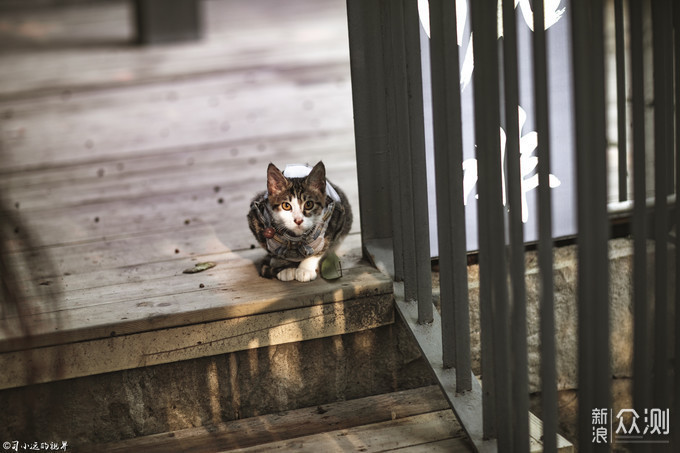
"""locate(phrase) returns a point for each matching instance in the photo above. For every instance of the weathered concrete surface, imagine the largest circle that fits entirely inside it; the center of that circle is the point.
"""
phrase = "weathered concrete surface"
(204, 391)
(566, 311)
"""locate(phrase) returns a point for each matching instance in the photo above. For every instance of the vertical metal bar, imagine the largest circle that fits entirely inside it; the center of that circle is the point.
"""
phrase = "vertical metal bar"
(621, 100)
(406, 136)
(661, 37)
(545, 254)
(370, 128)
(163, 21)
(482, 130)
(448, 150)
(593, 280)
(399, 138)
(491, 220)
(520, 379)
(418, 166)
(676, 390)
(641, 350)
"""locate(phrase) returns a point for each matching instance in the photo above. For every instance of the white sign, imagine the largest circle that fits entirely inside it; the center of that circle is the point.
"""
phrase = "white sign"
(562, 177)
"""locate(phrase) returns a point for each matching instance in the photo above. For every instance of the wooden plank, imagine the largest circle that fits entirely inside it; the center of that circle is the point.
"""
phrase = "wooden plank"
(129, 176)
(153, 209)
(144, 259)
(297, 423)
(107, 125)
(193, 341)
(217, 300)
(92, 44)
(456, 444)
(416, 431)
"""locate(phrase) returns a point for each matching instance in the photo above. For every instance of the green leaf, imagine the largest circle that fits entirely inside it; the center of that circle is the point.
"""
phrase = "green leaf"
(200, 267)
(331, 268)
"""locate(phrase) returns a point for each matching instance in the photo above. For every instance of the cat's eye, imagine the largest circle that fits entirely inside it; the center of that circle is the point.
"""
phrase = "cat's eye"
(286, 206)
(309, 204)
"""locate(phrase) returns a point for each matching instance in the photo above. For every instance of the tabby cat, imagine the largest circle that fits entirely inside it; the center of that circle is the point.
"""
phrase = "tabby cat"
(299, 219)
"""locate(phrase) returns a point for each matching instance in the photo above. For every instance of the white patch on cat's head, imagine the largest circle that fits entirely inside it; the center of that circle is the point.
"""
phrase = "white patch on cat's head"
(294, 219)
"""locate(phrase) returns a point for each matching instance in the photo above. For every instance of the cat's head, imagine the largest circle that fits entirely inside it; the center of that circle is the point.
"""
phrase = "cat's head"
(297, 203)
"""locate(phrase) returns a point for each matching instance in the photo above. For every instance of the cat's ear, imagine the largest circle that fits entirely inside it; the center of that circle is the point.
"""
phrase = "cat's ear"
(317, 178)
(276, 182)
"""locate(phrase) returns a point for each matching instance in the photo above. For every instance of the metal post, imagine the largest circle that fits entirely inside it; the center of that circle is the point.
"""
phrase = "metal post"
(545, 245)
(520, 379)
(641, 335)
(160, 21)
(416, 247)
(370, 126)
(492, 261)
(448, 149)
(593, 224)
(675, 426)
(661, 19)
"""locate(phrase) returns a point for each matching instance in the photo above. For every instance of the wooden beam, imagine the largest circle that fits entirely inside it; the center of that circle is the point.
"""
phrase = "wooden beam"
(86, 358)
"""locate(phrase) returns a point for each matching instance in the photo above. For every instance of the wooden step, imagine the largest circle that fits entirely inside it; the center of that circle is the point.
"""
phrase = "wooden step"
(409, 420)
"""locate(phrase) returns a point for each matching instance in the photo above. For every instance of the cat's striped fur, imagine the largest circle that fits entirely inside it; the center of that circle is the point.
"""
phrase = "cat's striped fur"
(298, 222)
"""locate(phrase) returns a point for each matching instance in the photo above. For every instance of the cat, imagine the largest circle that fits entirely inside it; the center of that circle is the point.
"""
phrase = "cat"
(298, 220)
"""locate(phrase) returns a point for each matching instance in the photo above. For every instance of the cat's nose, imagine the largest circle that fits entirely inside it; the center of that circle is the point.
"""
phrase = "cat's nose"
(298, 221)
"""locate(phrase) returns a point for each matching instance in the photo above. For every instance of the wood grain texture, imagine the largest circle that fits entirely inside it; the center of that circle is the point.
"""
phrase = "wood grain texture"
(146, 303)
(84, 358)
(122, 165)
(366, 419)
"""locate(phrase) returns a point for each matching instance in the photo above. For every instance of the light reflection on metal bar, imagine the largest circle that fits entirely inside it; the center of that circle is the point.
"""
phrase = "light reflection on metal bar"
(621, 100)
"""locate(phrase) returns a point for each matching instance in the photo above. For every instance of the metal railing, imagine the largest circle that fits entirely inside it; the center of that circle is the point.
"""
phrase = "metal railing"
(388, 106)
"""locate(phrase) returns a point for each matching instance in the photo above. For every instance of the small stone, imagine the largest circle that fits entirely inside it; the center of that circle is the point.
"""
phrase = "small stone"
(201, 285)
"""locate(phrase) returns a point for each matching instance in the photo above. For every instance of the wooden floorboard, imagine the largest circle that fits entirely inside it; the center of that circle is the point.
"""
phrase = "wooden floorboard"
(93, 44)
(410, 420)
(423, 432)
(128, 300)
(122, 165)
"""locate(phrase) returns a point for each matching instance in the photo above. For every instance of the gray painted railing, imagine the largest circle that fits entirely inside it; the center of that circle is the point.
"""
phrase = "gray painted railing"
(388, 108)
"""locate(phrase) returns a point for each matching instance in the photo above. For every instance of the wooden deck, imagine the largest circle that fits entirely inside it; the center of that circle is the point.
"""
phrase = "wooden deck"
(120, 166)
(418, 420)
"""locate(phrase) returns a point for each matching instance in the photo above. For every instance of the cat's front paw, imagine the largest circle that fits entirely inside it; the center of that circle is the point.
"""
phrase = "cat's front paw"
(305, 275)
(287, 275)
